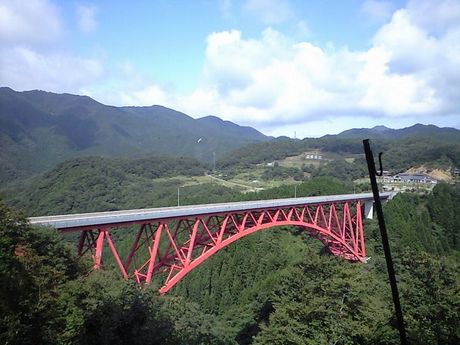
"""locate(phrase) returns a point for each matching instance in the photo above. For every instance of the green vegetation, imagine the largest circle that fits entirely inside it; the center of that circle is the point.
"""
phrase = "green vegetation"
(101, 184)
(414, 146)
(46, 298)
(279, 286)
(273, 287)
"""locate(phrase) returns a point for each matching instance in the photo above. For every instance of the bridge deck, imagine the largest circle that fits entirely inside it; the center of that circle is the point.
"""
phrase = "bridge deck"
(112, 218)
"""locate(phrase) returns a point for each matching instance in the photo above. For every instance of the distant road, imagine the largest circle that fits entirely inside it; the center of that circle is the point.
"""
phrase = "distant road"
(251, 189)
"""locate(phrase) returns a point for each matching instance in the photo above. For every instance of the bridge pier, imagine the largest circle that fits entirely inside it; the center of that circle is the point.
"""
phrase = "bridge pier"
(369, 209)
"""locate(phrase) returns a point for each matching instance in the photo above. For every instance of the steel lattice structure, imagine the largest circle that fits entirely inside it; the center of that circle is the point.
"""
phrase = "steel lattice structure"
(168, 247)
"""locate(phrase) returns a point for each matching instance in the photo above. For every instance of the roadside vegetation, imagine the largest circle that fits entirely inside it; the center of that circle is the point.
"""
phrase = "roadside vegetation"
(277, 286)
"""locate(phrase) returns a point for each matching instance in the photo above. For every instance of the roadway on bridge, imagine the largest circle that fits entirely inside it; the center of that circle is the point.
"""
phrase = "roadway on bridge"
(112, 218)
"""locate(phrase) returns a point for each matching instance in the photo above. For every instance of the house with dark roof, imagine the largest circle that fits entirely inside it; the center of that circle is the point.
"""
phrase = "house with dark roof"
(413, 178)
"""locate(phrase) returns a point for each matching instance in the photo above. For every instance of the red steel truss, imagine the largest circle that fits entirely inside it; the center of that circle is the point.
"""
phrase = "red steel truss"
(167, 249)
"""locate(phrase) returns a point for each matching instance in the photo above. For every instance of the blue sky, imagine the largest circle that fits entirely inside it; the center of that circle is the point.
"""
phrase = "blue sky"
(281, 66)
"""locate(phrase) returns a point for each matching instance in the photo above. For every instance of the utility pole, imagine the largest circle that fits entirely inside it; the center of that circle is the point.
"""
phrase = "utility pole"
(178, 196)
(295, 191)
(383, 232)
(213, 162)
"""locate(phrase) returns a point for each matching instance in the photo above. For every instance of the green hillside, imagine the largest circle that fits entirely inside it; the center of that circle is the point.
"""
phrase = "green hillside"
(90, 184)
(403, 149)
(41, 129)
(277, 286)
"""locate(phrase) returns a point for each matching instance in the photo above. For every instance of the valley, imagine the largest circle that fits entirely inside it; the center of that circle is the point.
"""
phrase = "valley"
(193, 172)
(258, 291)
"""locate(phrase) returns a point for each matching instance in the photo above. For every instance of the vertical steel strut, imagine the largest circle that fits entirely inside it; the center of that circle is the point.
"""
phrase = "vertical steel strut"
(383, 232)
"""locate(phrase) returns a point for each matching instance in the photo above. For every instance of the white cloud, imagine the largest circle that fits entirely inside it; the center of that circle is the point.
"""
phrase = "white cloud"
(126, 86)
(410, 70)
(435, 16)
(28, 22)
(86, 15)
(225, 7)
(24, 68)
(269, 11)
(31, 32)
(302, 29)
(146, 96)
(275, 82)
(377, 11)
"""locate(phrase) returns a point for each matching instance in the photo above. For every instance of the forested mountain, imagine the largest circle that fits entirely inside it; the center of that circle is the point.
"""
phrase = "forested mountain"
(40, 129)
(420, 131)
(278, 286)
(402, 148)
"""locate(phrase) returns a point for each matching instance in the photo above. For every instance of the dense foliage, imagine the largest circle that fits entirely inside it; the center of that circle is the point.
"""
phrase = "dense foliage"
(274, 287)
(278, 286)
(289, 291)
(46, 297)
(101, 184)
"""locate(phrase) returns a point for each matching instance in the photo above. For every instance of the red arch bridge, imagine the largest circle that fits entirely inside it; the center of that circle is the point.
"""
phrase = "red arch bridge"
(169, 242)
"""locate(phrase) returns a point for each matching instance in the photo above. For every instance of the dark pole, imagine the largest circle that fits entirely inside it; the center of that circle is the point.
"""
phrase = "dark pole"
(386, 245)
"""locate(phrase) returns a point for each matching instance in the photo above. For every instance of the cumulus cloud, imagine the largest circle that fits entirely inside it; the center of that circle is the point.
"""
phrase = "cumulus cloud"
(87, 18)
(435, 16)
(411, 69)
(126, 86)
(150, 94)
(28, 22)
(29, 32)
(269, 11)
(274, 82)
(24, 68)
(377, 11)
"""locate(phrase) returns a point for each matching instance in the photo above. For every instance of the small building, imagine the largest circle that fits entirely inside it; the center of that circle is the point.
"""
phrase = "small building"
(413, 178)
(456, 171)
(313, 156)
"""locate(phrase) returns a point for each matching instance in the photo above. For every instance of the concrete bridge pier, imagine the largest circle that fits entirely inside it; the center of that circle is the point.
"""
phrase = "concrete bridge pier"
(369, 209)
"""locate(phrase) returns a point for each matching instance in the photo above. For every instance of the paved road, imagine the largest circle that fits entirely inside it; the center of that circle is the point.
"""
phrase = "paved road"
(74, 221)
(249, 188)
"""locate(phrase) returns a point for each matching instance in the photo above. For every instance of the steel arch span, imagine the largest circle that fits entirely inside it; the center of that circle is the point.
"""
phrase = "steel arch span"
(171, 242)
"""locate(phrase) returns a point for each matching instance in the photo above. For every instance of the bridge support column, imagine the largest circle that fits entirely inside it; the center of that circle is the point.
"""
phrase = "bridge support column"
(369, 209)
(98, 250)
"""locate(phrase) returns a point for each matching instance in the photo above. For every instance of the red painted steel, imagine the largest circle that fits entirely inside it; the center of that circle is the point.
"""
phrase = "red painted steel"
(166, 250)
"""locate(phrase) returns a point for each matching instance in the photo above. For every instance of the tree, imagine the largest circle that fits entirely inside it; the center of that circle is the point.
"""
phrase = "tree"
(327, 301)
(430, 296)
(34, 264)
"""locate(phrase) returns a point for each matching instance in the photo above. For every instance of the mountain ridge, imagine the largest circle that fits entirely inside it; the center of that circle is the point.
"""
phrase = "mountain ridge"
(40, 129)
(418, 129)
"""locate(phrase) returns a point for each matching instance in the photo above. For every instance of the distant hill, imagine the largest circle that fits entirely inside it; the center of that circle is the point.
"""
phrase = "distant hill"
(40, 129)
(86, 184)
(381, 132)
(403, 148)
